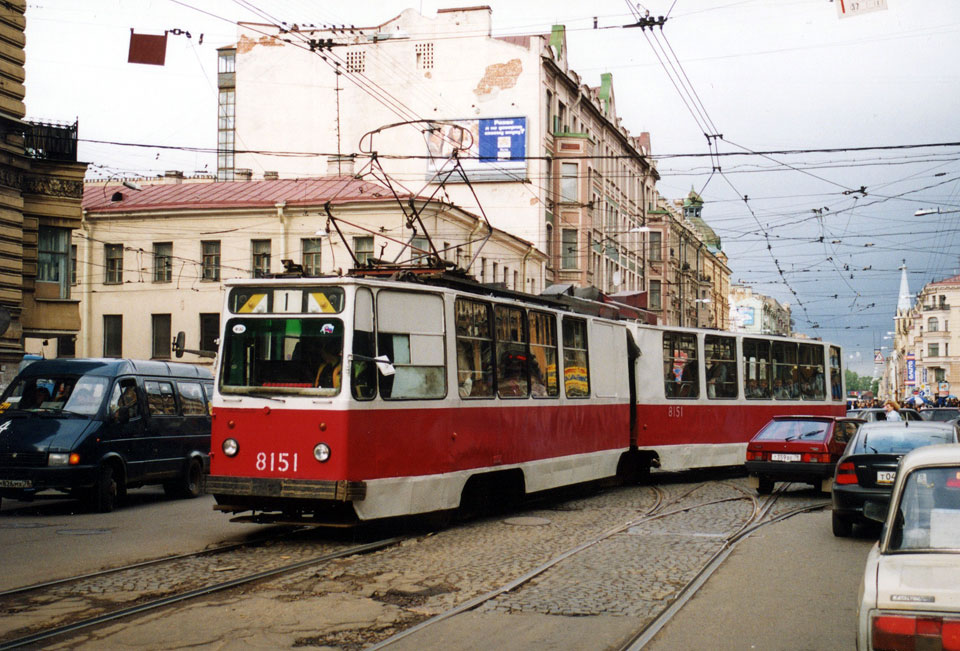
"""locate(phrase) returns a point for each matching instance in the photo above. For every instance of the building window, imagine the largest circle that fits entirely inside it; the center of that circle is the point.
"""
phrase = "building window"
(211, 260)
(569, 255)
(209, 330)
(162, 262)
(932, 324)
(933, 350)
(226, 135)
(363, 249)
(260, 257)
(113, 264)
(53, 257)
(112, 335)
(424, 56)
(569, 186)
(419, 249)
(311, 255)
(160, 329)
(73, 265)
(356, 61)
(940, 375)
(656, 298)
(656, 246)
(549, 115)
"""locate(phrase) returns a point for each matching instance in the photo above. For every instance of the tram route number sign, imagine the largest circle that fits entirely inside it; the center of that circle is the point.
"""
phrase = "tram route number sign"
(847, 8)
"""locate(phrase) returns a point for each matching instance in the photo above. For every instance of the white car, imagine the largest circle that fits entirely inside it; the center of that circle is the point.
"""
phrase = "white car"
(910, 594)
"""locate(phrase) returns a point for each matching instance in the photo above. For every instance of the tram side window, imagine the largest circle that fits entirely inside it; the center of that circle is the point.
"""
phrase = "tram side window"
(576, 371)
(756, 369)
(363, 370)
(474, 349)
(544, 381)
(836, 374)
(785, 380)
(681, 378)
(720, 355)
(410, 333)
(513, 374)
(812, 382)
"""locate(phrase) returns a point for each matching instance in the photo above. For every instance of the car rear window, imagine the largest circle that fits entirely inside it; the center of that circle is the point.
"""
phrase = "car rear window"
(943, 414)
(790, 430)
(900, 441)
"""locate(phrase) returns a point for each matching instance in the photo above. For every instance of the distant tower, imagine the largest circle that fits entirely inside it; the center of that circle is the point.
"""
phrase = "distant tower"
(905, 301)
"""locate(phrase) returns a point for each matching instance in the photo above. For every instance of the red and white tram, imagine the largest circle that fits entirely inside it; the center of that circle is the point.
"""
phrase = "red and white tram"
(349, 399)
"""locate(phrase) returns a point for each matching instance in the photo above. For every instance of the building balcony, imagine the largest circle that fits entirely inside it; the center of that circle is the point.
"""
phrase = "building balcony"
(936, 307)
(56, 142)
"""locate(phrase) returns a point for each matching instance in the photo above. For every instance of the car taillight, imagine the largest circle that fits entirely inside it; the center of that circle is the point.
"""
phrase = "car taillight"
(754, 455)
(846, 473)
(816, 457)
(906, 633)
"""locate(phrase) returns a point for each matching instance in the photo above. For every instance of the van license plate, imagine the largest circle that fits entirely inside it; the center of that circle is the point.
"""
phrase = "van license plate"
(886, 476)
(778, 456)
(15, 483)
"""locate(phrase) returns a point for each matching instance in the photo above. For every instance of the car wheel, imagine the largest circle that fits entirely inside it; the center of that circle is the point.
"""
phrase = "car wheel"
(842, 527)
(187, 486)
(103, 498)
(764, 486)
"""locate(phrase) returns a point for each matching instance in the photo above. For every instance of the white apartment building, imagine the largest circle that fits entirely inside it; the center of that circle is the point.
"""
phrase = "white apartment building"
(547, 156)
(151, 263)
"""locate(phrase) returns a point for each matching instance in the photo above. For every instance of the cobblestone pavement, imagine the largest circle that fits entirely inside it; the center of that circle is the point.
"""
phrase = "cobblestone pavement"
(353, 602)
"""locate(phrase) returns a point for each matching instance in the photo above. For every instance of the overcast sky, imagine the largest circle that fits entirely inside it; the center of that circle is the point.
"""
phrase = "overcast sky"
(770, 76)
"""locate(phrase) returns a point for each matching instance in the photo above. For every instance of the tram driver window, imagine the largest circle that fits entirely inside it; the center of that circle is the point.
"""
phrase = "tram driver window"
(720, 355)
(681, 377)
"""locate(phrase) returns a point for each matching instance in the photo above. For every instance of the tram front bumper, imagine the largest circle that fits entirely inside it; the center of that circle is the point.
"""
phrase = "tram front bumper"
(301, 489)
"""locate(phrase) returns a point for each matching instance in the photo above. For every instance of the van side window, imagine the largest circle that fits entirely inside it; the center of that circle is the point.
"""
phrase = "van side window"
(191, 399)
(125, 396)
(160, 400)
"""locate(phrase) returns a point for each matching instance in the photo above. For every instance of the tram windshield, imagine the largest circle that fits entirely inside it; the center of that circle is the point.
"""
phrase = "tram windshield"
(282, 356)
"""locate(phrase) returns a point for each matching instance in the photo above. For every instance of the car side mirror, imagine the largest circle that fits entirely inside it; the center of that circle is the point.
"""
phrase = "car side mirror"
(875, 510)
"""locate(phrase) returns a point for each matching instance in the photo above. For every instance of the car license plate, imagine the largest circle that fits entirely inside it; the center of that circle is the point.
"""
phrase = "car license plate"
(886, 476)
(15, 483)
(779, 456)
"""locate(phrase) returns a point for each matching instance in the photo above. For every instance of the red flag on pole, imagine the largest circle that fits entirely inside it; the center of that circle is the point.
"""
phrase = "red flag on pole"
(147, 48)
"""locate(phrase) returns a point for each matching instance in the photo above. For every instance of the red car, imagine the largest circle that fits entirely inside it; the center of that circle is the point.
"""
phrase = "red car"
(799, 449)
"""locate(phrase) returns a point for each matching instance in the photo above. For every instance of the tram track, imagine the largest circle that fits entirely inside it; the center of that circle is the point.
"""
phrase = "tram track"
(151, 604)
(660, 509)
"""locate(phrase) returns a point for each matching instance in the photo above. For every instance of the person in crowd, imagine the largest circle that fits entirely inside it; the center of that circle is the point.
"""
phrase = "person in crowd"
(892, 410)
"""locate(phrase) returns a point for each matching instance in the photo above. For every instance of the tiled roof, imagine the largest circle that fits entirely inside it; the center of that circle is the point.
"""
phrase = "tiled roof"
(232, 194)
(953, 280)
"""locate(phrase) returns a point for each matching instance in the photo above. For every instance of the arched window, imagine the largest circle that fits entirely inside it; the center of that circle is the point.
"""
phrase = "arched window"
(932, 324)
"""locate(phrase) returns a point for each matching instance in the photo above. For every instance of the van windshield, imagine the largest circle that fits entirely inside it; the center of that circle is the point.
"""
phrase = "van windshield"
(56, 393)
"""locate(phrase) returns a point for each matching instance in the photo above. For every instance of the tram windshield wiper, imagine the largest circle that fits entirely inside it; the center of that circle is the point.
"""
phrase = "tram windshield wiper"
(251, 394)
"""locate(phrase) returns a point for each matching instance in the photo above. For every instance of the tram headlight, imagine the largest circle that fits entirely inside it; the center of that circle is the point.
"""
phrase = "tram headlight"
(230, 447)
(321, 452)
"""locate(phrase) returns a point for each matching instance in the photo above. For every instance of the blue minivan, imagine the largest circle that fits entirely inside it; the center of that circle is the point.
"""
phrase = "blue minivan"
(94, 427)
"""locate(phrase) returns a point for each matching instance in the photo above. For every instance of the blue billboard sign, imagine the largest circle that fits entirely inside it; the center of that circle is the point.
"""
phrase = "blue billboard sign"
(911, 370)
(490, 149)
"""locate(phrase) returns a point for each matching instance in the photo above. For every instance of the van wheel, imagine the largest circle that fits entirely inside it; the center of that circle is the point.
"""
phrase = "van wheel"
(103, 498)
(188, 486)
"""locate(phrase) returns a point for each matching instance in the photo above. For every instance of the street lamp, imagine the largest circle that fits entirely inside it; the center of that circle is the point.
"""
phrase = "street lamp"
(932, 211)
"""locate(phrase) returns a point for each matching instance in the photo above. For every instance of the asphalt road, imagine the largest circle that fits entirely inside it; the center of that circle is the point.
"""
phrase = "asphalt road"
(52, 539)
(791, 586)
